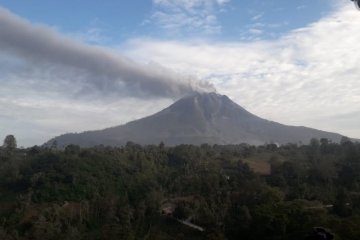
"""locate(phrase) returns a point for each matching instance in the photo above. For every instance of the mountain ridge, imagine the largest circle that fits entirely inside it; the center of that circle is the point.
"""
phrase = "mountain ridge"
(196, 119)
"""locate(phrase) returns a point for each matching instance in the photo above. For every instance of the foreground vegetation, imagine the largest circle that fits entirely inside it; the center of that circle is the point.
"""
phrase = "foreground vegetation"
(140, 192)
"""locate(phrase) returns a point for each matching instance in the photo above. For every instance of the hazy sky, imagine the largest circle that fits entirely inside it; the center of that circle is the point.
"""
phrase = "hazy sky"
(70, 66)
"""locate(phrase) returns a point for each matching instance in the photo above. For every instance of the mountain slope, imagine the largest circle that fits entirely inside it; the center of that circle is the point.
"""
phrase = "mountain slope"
(200, 118)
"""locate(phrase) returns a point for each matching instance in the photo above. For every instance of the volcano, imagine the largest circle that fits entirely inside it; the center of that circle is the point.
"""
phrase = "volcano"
(200, 118)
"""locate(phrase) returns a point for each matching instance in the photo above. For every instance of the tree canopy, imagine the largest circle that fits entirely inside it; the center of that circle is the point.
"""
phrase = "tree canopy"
(160, 192)
(10, 142)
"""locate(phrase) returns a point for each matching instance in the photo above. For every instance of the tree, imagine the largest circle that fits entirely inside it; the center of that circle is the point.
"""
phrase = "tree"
(341, 206)
(314, 144)
(345, 140)
(72, 149)
(10, 143)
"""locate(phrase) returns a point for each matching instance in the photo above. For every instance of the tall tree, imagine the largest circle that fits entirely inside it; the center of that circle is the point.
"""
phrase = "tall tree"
(10, 143)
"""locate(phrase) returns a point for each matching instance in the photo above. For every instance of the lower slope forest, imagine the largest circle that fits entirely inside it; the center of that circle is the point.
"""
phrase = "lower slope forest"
(183, 192)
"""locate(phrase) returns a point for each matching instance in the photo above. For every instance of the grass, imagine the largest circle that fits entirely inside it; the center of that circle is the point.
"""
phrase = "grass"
(261, 163)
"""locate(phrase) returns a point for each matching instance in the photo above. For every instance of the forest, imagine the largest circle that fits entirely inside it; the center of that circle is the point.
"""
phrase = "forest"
(180, 192)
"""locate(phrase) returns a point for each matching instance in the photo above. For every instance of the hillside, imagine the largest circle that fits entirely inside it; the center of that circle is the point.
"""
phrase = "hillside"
(200, 118)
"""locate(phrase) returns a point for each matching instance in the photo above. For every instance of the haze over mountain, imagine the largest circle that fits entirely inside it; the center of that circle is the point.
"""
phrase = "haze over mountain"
(196, 119)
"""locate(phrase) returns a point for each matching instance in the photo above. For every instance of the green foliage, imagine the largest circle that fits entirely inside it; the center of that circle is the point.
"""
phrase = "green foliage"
(118, 193)
(10, 143)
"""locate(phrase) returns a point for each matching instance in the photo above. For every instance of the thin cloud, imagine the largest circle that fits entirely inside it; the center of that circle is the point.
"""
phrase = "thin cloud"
(255, 31)
(301, 7)
(188, 16)
(257, 17)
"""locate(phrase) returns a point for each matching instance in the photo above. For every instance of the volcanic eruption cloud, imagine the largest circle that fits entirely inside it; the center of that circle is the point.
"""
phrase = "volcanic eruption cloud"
(100, 69)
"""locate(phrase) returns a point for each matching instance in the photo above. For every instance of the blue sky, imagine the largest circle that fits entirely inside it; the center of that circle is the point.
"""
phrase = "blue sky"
(71, 66)
(116, 21)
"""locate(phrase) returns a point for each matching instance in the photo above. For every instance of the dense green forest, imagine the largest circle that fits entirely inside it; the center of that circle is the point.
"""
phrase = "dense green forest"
(143, 192)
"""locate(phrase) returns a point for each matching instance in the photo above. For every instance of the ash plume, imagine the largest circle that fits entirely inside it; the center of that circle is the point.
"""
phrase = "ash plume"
(99, 68)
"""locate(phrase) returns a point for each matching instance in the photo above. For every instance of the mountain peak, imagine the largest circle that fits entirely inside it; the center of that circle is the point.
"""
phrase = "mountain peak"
(208, 95)
(208, 105)
(205, 99)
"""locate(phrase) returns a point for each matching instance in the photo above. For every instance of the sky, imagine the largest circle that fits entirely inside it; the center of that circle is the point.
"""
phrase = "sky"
(71, 66)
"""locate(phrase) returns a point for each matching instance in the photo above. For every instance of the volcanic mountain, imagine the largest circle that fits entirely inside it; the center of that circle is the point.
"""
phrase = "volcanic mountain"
(200, 118)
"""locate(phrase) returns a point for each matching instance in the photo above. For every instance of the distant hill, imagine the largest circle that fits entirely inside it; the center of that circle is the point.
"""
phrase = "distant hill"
(196, 119)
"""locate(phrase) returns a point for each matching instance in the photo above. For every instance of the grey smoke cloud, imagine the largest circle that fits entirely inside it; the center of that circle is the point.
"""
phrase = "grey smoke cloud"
(98, 68)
